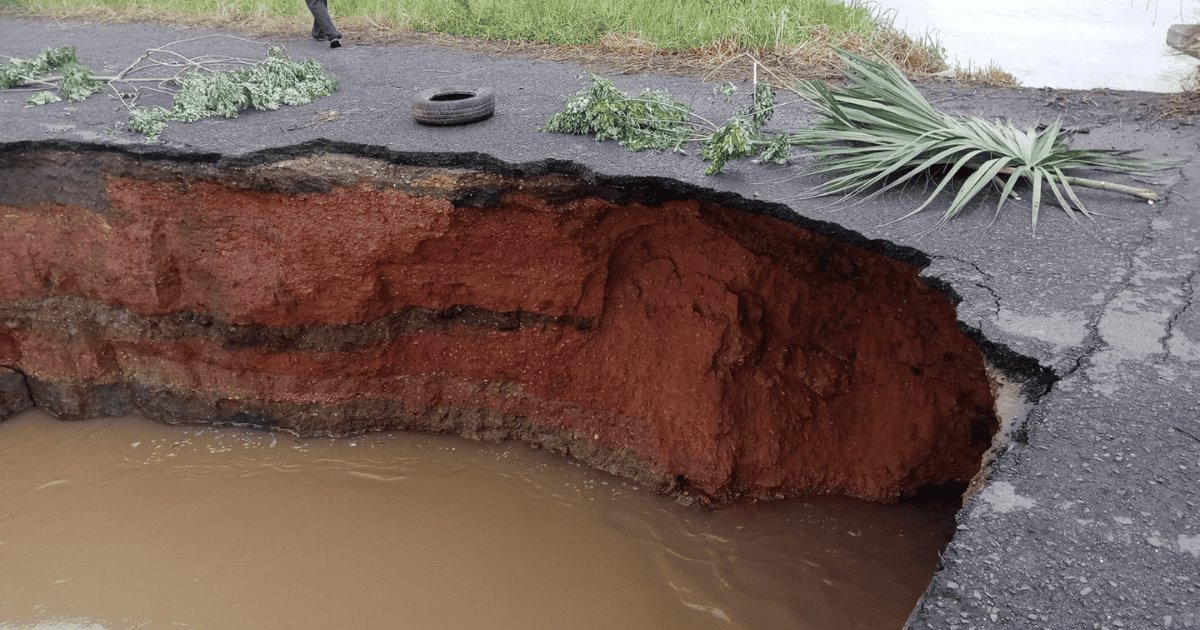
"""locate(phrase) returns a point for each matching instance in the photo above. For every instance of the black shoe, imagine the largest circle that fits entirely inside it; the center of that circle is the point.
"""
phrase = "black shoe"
(335, 43)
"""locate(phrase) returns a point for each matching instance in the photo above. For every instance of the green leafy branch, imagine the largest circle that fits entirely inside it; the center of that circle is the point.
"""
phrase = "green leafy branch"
(651, 120)
(53, 67)
(268, 85)
(199, 87)
(654, 119)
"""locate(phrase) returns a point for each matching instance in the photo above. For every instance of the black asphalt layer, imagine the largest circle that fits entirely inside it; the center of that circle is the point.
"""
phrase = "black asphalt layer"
(1091, 517)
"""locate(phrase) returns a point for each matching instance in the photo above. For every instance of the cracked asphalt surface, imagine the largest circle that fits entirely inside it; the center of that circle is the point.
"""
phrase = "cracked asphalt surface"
(1091, 517)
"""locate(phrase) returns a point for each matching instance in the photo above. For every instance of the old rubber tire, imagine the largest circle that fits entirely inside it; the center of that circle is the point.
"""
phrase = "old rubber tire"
(453, 105)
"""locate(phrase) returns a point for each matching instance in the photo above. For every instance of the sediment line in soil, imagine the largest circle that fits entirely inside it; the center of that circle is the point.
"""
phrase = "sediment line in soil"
(75, 316)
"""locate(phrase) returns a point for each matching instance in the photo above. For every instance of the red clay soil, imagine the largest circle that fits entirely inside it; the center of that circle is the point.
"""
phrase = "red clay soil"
(728, 352)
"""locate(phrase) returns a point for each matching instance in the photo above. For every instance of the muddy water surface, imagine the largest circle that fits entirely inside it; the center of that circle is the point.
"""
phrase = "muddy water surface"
(1082, 44)
(126, 523)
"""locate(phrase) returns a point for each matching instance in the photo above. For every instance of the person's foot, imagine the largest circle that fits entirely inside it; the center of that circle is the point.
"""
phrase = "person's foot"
(335, 42)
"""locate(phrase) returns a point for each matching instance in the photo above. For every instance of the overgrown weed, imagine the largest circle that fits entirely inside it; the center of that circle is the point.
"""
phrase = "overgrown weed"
(666, 36)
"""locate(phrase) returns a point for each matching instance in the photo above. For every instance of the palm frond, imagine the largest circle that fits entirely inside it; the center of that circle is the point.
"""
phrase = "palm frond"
(879, 132)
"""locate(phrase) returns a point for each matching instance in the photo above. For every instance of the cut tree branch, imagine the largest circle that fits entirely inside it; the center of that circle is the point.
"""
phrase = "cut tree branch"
(1141, 193)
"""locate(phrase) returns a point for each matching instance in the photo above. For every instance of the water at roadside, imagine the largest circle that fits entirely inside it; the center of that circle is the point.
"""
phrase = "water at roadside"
(127, 523)
(1079, 44)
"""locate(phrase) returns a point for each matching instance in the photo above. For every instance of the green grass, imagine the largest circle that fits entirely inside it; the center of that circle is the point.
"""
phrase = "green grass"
(671, 24)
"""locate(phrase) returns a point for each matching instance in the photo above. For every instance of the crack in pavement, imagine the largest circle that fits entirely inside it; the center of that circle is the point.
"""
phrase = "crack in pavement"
(987, 277)
(1095, 341)
(1188, 290)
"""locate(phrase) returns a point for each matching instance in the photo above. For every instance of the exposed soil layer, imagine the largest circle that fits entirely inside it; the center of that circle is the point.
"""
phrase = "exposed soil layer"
(674, 340)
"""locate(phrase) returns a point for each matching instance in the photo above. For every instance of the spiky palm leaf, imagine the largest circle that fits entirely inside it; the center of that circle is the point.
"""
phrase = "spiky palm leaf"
(880, 133)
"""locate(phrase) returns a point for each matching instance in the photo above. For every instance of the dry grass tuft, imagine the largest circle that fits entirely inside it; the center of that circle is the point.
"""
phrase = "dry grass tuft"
(1186, 104)
(627, 43)
(990, 75)
(725, 60)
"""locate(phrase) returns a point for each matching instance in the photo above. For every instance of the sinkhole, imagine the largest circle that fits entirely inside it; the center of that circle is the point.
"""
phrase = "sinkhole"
(710, 348)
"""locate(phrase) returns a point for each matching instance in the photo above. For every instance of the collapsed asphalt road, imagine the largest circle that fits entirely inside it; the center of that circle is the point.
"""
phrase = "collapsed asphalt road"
(1091, 516)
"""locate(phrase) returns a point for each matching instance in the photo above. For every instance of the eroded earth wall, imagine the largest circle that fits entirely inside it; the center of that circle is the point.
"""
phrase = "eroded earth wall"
(684, 343)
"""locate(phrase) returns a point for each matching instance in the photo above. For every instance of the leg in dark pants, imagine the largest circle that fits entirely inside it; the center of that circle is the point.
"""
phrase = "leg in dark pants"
(323, 27)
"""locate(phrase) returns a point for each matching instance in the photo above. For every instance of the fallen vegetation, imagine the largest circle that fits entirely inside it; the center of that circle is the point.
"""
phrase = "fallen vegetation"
(654, 119)
(875, 135)
(58, 68)
(199, 87)
(880, 133)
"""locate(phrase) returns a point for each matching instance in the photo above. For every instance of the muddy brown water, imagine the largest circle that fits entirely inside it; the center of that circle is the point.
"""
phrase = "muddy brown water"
(1077, 44)
(127, 523)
